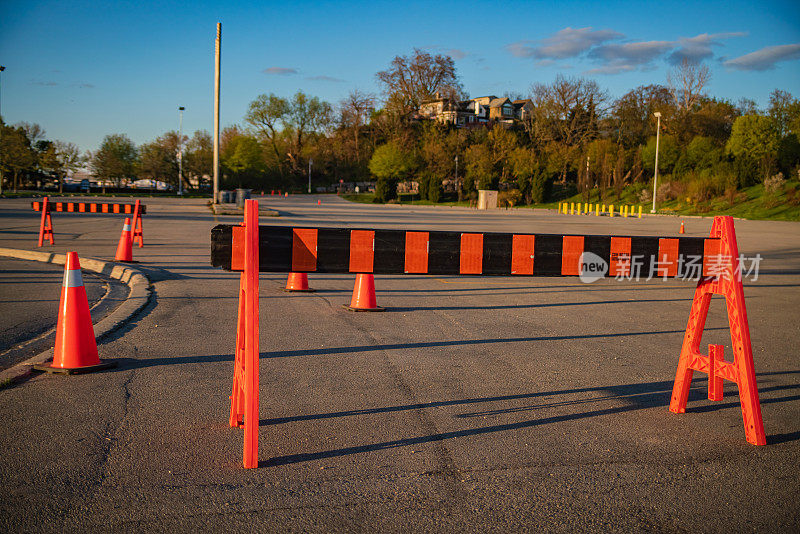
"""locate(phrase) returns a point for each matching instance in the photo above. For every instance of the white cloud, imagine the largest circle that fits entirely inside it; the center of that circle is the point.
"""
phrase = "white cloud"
(766, 58)
(699, 48)
(281, 71)
(563, 44)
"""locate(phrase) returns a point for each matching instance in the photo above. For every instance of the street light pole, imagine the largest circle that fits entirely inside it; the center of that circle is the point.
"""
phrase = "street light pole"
(458, 187)
(310, 161)
(180, 150)
(657, 115)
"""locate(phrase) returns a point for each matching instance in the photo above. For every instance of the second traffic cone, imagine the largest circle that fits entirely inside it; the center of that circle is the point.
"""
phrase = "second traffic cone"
(364, 295)
(76, 349)
(681, 231)
(124, 249)
(298, 283)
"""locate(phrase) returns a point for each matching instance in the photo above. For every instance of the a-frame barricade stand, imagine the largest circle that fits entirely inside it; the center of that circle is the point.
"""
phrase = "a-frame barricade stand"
(46, 226)
(244, 398)
(727, 281)
(137, 226)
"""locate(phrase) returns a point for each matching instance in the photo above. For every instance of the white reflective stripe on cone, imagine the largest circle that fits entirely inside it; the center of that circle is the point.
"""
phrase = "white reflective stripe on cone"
(73, 278)
(126, 228)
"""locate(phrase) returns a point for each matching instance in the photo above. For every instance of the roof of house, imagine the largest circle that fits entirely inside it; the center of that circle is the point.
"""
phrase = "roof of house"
(497, 102)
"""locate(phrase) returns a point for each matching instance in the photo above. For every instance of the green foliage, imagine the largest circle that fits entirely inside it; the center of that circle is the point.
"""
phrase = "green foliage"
(389, 164)
(541, 185)
(668, 153)
(390, 161)
(752, 136)
(480, 169)
(116, 159)
(789, 153)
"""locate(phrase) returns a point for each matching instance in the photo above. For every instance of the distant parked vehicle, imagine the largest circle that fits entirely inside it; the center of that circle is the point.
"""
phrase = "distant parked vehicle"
(85, 186)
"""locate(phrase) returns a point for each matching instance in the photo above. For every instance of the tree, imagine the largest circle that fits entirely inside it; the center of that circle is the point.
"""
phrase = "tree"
(307, 116)
(702, 153)
(410, 80)
(158, 159)
(633, 113)
(668, 153)
(278, 120)
(686, 83)
(243, 158)
(784, 109)
(568, 111)
(115, 159)
(389, 163)
(480, 168)
(267, 114)
(354, 114)
(198, 158)
(754, 139)
(16, 153)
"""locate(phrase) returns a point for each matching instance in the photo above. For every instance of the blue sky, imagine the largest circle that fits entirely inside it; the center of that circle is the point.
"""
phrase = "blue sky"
(83, 70)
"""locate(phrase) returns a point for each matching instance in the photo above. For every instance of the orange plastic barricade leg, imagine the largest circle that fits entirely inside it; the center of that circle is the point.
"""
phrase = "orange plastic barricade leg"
(244, 398)
(728, 283)
(138, 228)
(46, 226)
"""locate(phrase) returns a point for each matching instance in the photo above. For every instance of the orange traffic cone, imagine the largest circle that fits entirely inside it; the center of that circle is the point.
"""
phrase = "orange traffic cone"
(76, 348)
(124, 249)
(681, 231)
(298, 282)
(319, 203)
(364, 295)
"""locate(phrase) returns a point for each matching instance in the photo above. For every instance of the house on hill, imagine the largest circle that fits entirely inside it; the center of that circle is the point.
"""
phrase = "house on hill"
(483, 110)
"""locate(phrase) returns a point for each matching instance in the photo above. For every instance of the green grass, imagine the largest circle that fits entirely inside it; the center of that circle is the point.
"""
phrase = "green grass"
(750, 203)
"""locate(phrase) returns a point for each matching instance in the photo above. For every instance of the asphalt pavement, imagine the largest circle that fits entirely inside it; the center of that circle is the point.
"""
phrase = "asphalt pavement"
(471, 404)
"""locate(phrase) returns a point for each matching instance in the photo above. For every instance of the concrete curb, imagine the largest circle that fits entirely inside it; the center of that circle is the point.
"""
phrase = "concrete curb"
(231, 209)
(138, 298)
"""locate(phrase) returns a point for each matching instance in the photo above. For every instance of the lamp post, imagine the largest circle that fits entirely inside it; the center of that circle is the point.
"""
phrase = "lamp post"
(657, 115)
(458, 188)
(180, 150)
(310, 161)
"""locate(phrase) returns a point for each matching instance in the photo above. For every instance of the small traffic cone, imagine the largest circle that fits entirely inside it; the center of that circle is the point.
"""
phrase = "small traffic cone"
(75, 349)
(319, 203)
(681, 231)
(364, 295)
(124, 249)
(297, 283)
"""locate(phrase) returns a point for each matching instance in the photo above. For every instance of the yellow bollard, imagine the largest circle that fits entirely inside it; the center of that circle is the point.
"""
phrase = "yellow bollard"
(624, 211)
(559, 207)
(640, 212)
(572, 208)
(604, 209)
(597, 210)
(611, 210)
(585, 207)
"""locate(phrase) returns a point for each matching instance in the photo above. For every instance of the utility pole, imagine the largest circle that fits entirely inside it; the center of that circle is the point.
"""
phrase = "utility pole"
(180, 150)
(310, 161)
(217, 53)
(657, 115)
(2, 68)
